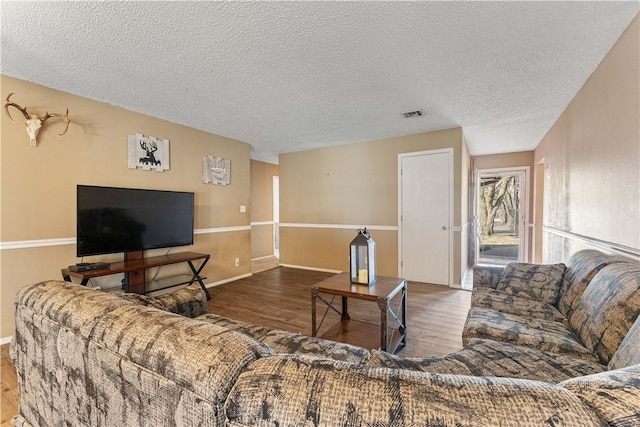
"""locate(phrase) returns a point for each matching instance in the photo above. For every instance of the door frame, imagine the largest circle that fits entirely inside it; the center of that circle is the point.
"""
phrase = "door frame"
(275, 195)
(450, 230)
(523, 250)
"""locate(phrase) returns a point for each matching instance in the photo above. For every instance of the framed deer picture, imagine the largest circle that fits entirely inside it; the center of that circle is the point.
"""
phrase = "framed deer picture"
(148, 152)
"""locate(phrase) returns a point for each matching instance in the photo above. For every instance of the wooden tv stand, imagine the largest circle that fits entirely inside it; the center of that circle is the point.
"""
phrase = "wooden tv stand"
(134, 267)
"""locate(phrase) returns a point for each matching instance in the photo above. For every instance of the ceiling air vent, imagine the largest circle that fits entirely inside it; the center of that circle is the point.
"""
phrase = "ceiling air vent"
(408, 114)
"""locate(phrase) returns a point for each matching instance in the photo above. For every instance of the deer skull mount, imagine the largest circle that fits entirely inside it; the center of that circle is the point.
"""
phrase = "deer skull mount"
(34, 122)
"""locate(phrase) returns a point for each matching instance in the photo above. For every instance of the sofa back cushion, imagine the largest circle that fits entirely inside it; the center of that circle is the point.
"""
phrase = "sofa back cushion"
(189, 301)
(581, 268)
(75, 307)
(85, 357)
(489, 358)
(540, 282)
(291, 342)
(145, 300)
(203, 359)
(296, 390)
(628, 352)
(613, 395)
(608, 308)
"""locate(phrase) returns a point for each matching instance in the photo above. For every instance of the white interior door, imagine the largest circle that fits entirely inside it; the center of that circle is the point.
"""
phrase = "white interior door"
(426, 188)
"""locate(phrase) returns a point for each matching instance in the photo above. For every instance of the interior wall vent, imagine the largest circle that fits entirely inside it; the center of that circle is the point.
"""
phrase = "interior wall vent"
(416, 113)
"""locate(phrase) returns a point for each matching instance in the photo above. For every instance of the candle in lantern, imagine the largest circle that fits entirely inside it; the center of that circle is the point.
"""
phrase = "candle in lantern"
(363, 276)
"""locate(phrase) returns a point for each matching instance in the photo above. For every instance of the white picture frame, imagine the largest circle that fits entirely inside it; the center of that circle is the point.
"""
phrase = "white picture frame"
(148, 152)
(216, 170)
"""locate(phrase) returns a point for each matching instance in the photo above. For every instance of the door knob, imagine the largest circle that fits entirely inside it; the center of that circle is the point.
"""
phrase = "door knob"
(444, 227)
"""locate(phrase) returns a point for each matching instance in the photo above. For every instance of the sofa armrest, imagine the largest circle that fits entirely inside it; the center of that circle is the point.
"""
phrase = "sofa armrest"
(486, 276)
(190, 301)
(613, 395)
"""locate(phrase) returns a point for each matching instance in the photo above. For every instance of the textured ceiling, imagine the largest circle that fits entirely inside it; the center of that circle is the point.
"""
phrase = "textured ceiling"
(291, 76)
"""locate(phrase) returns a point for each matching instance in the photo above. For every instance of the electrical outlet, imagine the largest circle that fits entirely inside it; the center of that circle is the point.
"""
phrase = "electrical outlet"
(243, 209)
(237, 262)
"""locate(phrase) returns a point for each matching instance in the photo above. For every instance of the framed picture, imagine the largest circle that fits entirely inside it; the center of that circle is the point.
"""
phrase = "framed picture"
(216, 170)
(148, 152)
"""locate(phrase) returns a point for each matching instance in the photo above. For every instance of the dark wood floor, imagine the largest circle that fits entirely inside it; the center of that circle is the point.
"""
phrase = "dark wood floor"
(281, 298)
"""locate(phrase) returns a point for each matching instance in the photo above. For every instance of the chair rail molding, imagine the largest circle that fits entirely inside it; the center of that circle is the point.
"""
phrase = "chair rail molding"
(609, 247)
(340, 226)
(27, 244)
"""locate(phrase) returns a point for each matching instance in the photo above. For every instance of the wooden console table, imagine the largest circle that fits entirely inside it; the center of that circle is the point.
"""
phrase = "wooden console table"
(134, 270)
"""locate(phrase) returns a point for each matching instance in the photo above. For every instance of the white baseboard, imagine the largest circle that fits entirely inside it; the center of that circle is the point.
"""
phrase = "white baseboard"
(263, 257)
(230, 279)
(304, 267)
(5, 340)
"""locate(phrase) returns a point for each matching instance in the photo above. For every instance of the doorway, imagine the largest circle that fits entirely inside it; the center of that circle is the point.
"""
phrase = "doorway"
(502, 215)
(425, 216)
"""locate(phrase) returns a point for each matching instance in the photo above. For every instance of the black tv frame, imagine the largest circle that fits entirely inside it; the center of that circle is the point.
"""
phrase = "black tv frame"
(131, 210)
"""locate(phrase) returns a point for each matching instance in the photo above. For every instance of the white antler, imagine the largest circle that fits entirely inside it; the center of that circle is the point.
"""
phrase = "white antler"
(34, 122)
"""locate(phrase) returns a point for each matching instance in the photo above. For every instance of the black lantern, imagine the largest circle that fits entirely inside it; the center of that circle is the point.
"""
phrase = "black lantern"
(362, 259)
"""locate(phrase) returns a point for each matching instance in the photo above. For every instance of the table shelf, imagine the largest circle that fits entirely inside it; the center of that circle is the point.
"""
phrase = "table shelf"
(134, 270)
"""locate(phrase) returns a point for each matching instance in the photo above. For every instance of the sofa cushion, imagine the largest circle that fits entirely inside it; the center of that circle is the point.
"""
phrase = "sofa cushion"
(287, 390)
(608, 308)
(508, 303)
(291, 342)
(254, 331)
(204, 357)
(143, 300)
(71, 305)
(540, 282)
(189, 301)
(486, 276)
(494, 358)
(613, 395)
(581, 268)
(628, 352)
(544, 335)
(85, 357)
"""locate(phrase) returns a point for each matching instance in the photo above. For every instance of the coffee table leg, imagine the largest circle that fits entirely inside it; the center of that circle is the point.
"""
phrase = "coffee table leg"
(404, 314)
(383, 305)
(314, 294)
(345, 309)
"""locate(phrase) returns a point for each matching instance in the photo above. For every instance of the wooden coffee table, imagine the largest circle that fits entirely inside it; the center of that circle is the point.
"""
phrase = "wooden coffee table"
(393, 323)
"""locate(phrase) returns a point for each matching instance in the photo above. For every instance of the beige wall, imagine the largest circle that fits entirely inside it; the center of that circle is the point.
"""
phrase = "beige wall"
(262, 208)
(511, 160)
(507, 160)
(38, 188)
(357, 184)
(591, 159)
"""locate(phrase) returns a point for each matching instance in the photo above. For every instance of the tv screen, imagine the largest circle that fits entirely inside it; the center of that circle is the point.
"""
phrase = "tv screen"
(111, 220)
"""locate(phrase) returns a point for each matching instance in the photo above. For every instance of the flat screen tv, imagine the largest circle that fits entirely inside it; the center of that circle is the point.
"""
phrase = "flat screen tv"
(111, 220)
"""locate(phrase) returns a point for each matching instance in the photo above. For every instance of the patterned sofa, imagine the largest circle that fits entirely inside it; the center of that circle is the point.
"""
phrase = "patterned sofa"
(546, 322)
(88, 358)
